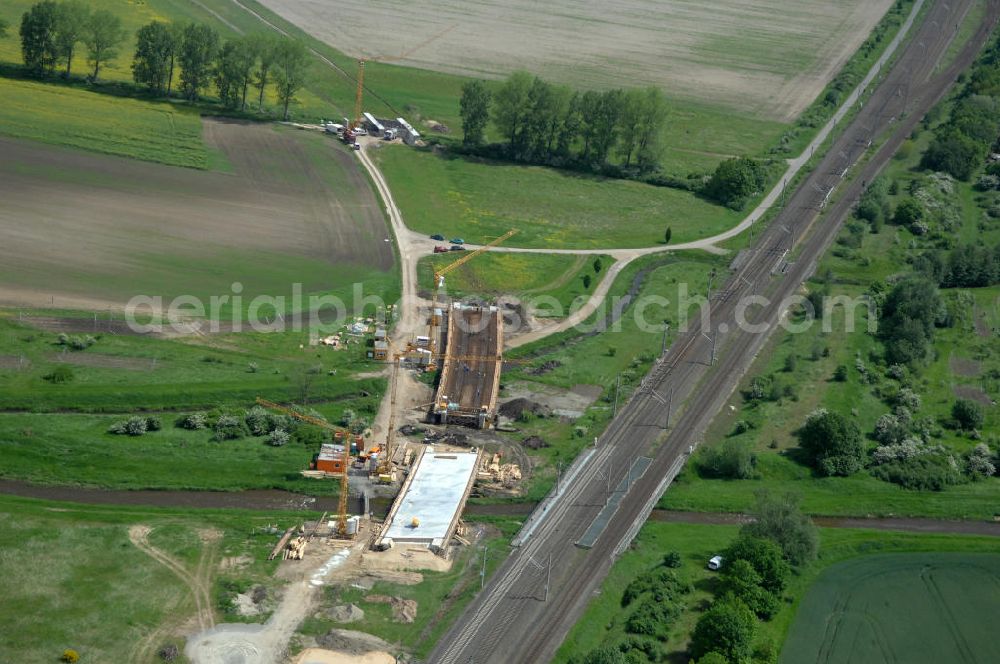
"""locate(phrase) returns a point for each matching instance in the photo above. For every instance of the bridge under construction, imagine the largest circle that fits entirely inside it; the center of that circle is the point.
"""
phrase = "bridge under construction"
(470, 371)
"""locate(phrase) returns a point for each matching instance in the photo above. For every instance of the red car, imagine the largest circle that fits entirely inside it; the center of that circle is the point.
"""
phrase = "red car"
(439, 249)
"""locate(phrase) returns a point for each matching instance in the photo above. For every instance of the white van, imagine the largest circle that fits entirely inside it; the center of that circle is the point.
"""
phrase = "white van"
(714, 563)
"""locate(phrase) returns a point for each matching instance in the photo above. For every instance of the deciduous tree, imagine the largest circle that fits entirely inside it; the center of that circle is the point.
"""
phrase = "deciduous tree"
(38, 38)
(290, 70)
(154, 52)
(103, 36)
(727, 628)
(70, 28)
(199, 45)
(474, 108)
(832, 442)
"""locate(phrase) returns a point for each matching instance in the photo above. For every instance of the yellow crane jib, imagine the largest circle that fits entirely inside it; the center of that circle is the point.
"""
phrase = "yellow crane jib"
(342, 507)
(439, 274)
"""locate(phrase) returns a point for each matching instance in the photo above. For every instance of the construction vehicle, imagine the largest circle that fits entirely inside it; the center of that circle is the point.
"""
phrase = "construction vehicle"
(343, 466)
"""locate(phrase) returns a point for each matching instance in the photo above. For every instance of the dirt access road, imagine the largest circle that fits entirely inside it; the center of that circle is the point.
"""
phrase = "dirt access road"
(544, 587)
(198, 582)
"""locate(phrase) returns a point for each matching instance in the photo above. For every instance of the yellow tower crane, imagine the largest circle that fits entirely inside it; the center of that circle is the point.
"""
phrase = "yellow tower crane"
(342, 507)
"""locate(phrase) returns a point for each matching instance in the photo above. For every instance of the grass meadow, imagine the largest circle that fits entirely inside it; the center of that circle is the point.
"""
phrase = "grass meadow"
(550, 209)
(559, 276)
(604, 619)
(74, 580)
(57, 433)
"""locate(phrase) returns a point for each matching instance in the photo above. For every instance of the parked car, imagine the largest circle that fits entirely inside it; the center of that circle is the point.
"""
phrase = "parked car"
(440, 249)
(438, 237)
(714, 563)
(457, 240)
(457, 247)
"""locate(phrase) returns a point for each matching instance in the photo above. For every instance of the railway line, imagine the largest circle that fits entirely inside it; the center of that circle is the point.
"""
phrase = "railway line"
(543, 588)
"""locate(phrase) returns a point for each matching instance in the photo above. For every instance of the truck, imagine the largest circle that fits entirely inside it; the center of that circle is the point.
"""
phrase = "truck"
(391, 134)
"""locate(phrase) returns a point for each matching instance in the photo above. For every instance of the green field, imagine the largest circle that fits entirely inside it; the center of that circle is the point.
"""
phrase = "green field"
(915, 608)
(74, 580)
(551, 209)
(60, 436)
(73, 116)
(603, 622)
(530, 276)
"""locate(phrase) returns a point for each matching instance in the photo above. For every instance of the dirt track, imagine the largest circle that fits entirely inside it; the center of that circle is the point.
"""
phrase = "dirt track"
(112, 227)
(197, 581)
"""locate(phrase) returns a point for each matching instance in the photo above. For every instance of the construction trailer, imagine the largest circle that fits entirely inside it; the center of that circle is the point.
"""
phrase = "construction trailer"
(373, 125)
(409, 134)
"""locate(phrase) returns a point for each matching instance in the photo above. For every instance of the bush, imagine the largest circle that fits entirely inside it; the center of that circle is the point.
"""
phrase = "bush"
(889, 430)
(169, 652)
(740, 580)
(228, 427)
(968, 415)
(672, 560)
(727, 628)
(840, 373)
(833, 443)
(62, 373)
(70, 655)
(258, 421)
(133, 426)
(730, 459)
(278, 437)
(153, 424)
(194, 421)
(780, 519)
(926, 472)
(979, 463)
(652, 618)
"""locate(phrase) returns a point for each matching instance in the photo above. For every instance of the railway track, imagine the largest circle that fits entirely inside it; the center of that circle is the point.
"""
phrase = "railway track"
(543, 588)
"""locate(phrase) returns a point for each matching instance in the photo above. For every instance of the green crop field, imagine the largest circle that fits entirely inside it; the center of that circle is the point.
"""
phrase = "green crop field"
(914, 608)
(153, 131)
(480, 201)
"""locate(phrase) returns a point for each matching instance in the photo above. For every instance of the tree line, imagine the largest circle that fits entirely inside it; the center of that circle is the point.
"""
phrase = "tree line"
(551, 124)
(614, 132)
(50, 32)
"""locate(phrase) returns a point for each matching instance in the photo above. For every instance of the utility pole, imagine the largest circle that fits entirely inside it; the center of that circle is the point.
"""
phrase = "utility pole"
(663, 345)
(558, 474)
